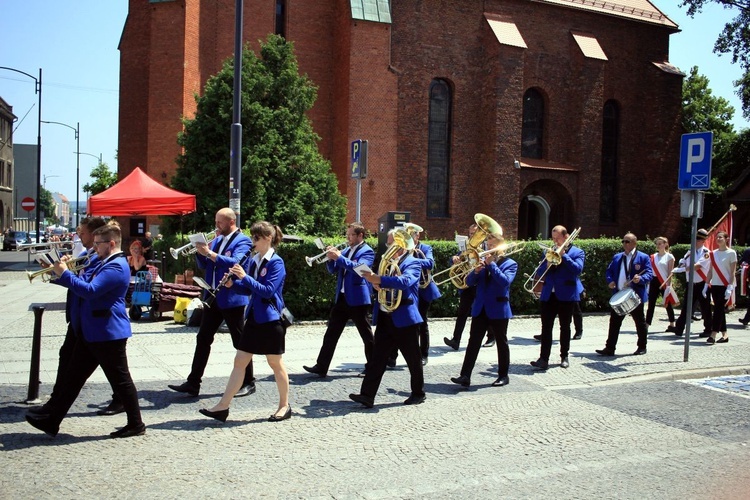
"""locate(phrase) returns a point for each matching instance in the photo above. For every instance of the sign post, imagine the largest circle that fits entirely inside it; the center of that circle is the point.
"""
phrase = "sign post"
(359, 169)
(696, 151)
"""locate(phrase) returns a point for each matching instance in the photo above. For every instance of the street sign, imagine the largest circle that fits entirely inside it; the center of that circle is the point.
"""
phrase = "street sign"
(359, 159)
(695, 161)
(28, 204)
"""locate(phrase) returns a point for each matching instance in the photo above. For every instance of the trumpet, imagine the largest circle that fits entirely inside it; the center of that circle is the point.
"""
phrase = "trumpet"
(552, 257)
(190, 248)
(323, 256)
(388, 298)
(74, 265)
(35, 248)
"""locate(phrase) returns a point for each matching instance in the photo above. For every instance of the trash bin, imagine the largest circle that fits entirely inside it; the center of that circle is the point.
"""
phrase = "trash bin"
(386, 222)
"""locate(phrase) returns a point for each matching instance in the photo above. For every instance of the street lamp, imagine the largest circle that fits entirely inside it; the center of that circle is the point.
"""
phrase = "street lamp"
(77, 131)
(38, 91)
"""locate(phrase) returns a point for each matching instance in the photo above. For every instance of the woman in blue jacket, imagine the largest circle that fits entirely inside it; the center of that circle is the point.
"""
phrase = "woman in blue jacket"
(264, 331)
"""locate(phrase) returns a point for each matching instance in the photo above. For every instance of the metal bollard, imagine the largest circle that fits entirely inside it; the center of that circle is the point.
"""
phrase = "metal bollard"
(36, 347)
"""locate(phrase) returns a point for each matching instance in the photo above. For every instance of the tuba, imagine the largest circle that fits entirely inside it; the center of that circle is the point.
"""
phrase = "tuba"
(469, 258)
(552, 257)
(426, 276)
(390, 299)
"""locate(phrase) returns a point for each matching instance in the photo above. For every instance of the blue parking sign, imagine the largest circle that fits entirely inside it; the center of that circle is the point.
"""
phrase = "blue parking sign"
(696, 151)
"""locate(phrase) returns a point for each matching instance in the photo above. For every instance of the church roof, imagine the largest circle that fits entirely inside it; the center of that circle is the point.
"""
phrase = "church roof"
(639, 10)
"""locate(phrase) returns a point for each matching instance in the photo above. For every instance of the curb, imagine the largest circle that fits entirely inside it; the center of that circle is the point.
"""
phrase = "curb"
(691, 374)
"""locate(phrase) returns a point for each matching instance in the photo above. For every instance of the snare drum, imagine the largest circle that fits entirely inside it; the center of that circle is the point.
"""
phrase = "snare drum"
(624, 301)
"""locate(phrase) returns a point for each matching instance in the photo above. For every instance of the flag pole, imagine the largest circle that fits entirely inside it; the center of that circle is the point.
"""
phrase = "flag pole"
(732, 208)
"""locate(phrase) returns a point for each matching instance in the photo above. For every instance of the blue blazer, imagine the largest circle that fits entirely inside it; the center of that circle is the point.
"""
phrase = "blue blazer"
(493, 289)
(431, 291)
(102, 315)
(641, 264)
(266, 301)
(215, 271)
(357, 290)
(565, 278)
(407, 313)
(72, 301)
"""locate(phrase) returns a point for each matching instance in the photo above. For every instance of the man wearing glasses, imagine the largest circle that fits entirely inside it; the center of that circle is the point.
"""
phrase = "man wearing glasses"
(629, 269)
(226, 250)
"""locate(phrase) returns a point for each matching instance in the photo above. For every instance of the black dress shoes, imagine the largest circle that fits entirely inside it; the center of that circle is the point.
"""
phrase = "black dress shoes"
(424, 360)
(538, 337)
(744, 321)
(391, 363)
(462, 380)
(220, 415)
(501, 381)
(45, 424)
(245, 390)
(129, 430)
(415, 400)
(704, 335)
(490, 342)
(671, 329)
(114, 408)
(605, 352)
(452, 343)
(639, 352)
(363, 400)
(577, 336)
(315, 370)
(39, 411)
(564, 363)
(187, 388)
(278, 418)
(540, 364)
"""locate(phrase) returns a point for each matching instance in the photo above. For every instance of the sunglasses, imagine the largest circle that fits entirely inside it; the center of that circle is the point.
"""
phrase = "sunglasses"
(627, 241)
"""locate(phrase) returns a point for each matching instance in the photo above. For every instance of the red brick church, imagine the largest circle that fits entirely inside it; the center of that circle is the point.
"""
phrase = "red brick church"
(535, 112)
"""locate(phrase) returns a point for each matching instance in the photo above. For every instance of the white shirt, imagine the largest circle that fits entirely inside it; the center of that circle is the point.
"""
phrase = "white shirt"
(627, 260)
(662, 263)
(724, 260)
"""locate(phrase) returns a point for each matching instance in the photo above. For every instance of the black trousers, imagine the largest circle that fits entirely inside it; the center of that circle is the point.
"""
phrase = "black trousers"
(423, 331)
(387, 338)
(65, 355)
(210, 322)
(718, 315)
(551, 309)
(479, 325)
(615, 322)
(654, 291)
(705, 305)
(578, 318)
(85, 358)
(340, 314)
(465, 301)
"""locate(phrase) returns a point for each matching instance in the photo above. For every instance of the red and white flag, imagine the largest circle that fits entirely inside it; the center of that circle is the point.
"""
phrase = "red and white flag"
(726, 225)
(670, 297)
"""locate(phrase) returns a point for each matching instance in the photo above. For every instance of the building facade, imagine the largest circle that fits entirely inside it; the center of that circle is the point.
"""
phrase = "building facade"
(7, 118)
(535, 112)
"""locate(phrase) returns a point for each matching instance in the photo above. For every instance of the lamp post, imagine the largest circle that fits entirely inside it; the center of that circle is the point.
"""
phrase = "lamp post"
(38, 91)
(78, 207)
(77, 131)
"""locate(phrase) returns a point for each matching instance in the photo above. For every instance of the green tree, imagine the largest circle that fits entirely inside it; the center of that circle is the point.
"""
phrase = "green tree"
(47, 205)
(103, 178)
(735, 38)
(285, 180)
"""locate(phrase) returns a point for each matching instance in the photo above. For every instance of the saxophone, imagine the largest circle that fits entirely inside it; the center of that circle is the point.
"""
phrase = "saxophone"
(389, 299)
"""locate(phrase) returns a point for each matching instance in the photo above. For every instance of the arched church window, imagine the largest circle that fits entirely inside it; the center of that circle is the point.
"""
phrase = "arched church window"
(608, 190)
(438, 148)
(532, 129)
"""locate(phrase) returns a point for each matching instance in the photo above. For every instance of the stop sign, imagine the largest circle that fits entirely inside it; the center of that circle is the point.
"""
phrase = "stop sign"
(28, 204)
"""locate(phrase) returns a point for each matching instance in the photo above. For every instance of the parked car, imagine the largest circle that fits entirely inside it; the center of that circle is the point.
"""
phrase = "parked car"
(13, 238)
(32, 237)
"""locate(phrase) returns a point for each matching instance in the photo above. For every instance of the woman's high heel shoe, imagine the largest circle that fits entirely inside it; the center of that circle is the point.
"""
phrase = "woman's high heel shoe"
(220, 415)
(287, 414)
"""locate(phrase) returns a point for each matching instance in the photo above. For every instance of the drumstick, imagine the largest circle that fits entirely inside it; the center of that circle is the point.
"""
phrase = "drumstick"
(631, 279)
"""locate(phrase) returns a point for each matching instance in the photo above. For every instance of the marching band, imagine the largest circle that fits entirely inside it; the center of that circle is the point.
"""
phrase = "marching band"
(245, 291)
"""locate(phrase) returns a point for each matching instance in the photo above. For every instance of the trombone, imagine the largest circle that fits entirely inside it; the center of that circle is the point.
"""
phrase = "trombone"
(552, 257)
(74, 265)
(190, 248)
(323, 256)
(458, 272)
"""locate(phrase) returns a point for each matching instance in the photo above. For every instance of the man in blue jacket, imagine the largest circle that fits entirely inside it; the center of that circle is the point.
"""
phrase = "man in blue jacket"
(227, 249)
(397, 329)
(560, 292)
(352, 300)
(102, 326)
(629, 268)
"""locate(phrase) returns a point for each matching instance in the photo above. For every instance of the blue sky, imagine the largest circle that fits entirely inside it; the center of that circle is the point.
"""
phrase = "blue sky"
(75, 44)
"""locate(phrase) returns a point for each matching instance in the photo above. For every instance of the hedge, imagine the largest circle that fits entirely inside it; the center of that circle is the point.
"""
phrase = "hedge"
(309, 291)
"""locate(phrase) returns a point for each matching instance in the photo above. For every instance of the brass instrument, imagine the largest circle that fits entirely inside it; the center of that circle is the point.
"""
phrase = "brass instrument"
(190, 248)
(457, 273)
(426, 275)
(74, 265)
(322, 257)
(552, 257)
(35, 248)
(486, 227)
(390, 299)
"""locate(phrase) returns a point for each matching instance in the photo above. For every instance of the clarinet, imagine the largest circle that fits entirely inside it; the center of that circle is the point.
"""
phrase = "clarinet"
(226, 278)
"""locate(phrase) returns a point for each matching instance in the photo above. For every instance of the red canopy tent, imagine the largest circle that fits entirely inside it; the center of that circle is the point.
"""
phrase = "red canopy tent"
(139, 194)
